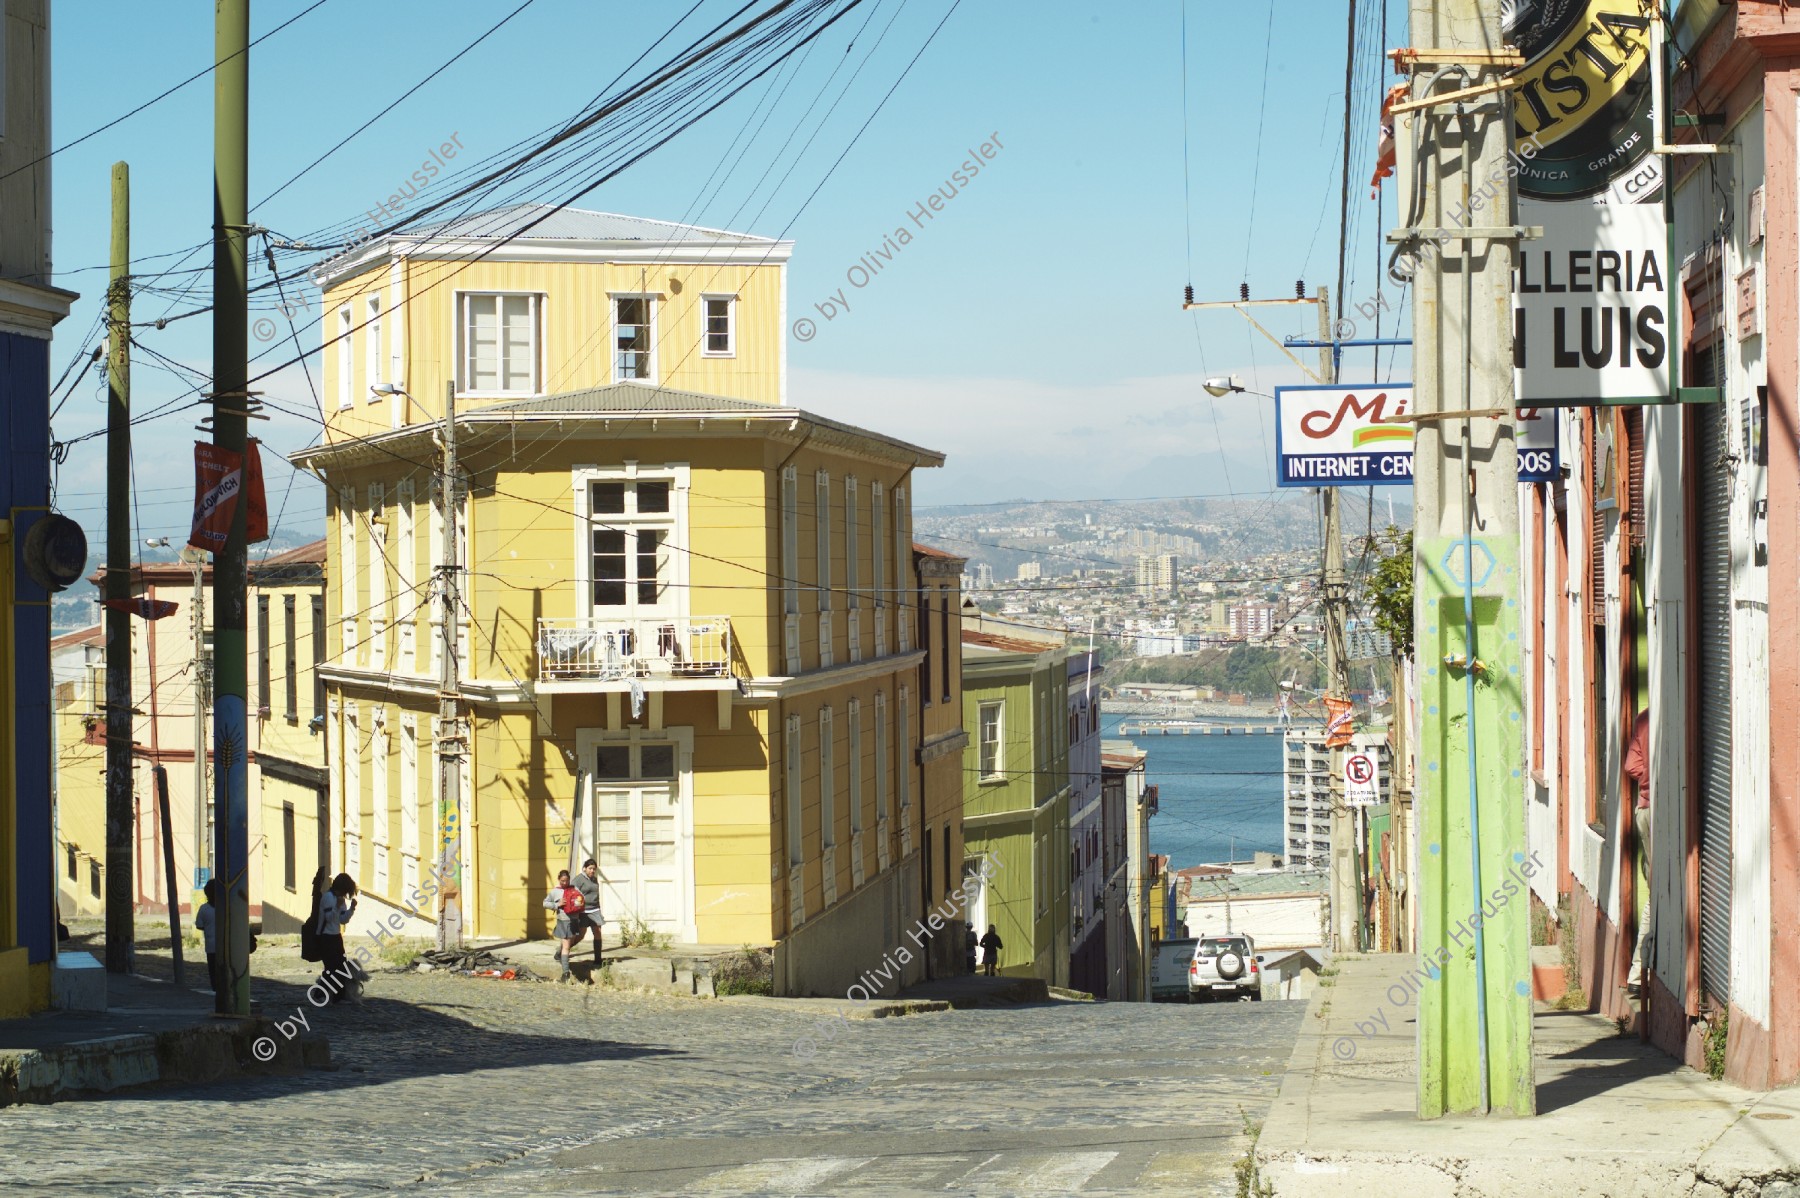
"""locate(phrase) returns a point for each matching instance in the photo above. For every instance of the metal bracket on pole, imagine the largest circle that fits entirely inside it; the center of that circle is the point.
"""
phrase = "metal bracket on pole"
(1494, 87)
(1466, 233)
(1407, 57)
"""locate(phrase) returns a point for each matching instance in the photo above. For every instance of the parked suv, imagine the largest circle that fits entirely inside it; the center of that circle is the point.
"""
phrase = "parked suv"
(1225, 966)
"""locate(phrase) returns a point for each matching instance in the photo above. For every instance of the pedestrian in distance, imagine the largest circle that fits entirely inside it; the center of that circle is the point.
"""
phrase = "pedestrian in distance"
(206, 922)
(1637, 768)
(336, 906)
(568, 904)
(970, 943)
(588, 882)
(990, 949)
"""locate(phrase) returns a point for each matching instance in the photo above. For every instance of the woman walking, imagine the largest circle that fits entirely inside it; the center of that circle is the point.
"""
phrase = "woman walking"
(336, 907)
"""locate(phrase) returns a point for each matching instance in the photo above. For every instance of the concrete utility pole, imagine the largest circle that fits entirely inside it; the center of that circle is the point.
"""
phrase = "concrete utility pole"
(1345, 917)
(195, 560)
(120, 805)
(1346, 898)
(230, 405)
(1474, 1019)
(451, 734)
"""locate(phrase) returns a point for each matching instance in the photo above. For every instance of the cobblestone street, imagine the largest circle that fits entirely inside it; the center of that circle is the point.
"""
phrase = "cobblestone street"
(455, 1085)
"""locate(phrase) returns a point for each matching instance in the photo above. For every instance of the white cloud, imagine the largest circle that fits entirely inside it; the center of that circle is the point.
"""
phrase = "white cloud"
(1012, 438)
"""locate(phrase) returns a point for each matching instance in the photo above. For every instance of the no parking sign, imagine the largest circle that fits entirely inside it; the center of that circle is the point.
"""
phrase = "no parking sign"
(1362, 781)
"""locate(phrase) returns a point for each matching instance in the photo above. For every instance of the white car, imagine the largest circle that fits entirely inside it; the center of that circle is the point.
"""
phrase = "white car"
(1225, 967)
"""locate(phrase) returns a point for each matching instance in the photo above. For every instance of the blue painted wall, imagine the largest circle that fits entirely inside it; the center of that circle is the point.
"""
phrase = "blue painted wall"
(25, 483)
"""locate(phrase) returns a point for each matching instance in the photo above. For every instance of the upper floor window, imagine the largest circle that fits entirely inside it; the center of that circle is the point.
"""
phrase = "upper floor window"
(372, 348)
(631, 524)
(500, 334)
(988, 737)
(345, 362)
(634, 338)
(721, 326)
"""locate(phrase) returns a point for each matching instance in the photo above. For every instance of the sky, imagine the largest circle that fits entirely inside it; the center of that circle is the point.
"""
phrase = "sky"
(1032, 330)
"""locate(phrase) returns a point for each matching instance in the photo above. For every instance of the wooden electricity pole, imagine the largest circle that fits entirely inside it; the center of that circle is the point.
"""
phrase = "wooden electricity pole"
(451, 733)
(120, 805)
(230, 408)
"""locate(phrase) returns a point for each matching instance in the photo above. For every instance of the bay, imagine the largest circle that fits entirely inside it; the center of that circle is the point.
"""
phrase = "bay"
(1217, 794)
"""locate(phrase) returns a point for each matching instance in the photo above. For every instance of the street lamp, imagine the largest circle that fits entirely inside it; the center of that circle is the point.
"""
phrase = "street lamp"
(1223, 385)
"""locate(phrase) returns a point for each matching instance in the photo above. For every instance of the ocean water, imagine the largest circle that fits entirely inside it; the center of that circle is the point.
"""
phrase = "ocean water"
(1219, 794)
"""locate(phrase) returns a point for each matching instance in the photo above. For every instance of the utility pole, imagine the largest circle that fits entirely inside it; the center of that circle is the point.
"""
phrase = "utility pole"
(450, 731)
(1474, 1020)
(195, 559)
(1346, 902)
(230, 412)
(1345, 915)
(120, 807)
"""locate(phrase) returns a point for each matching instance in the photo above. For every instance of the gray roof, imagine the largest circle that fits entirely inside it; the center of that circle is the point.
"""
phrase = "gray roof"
(625, 397)
(574, 224)
(1272, 882)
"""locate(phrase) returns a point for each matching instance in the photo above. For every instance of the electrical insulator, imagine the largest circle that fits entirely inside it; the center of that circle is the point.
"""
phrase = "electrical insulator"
(1243, 291)
(1188, 293)
(1299, 288)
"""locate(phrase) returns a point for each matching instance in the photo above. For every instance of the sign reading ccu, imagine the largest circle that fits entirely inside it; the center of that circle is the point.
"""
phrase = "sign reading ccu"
(1359, 436)
(1592, 297)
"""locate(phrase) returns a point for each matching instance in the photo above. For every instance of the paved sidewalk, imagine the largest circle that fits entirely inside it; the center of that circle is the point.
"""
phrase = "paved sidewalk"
(152, 1031)
(1617, 1118)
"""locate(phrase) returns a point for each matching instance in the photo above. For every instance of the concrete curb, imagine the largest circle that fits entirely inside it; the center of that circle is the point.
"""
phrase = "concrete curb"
(207, 1052)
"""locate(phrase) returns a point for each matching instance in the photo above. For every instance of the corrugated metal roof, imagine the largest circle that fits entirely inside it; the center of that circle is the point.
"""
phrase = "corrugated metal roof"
(574, 224)
(625, 397)
(1274, 882)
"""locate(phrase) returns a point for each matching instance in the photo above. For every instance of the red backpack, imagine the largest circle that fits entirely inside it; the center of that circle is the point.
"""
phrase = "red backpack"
(573, 903)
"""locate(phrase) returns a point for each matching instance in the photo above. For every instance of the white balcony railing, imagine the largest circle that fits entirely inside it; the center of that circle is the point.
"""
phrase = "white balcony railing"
(598, 649)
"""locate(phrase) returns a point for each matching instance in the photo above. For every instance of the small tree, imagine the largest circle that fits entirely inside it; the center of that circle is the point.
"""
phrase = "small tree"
(1389, 590)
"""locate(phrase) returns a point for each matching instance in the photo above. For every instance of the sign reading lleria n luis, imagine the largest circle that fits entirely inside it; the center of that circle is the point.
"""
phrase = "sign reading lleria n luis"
(1591, 297)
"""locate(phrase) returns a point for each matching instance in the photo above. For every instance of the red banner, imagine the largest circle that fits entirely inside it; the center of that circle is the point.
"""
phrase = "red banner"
(220, 476)
(1338, 729)
(146, 609)
(256, 520)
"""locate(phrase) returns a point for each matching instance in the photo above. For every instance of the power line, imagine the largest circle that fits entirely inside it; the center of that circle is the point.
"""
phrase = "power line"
(163, 95)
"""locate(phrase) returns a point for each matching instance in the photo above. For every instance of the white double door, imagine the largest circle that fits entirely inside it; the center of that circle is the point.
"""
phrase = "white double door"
(636, 824)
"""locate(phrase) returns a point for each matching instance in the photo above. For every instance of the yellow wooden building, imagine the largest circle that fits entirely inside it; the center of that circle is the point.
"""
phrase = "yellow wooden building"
(688, 625)
(287, 761)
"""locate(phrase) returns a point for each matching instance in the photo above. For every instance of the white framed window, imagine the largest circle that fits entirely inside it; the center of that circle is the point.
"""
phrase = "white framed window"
(407, 576)
(347, 600)
(378, 569)
(822, 506)
(989, 739)
(878, 566)
(409, 802)
(882, 764)
(856, 768)
(790, 565)
(827, 781)
(374, 367)
(902, 551)
(633, 523)
(795, 831)
(851, 573)
(903, 754)
(634, 338)
(346, 361)
(499, 342)
(378, 766)
(356, 801)
(720, 337)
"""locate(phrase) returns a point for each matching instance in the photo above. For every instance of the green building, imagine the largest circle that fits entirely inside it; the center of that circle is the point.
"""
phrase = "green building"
(1016, 797)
